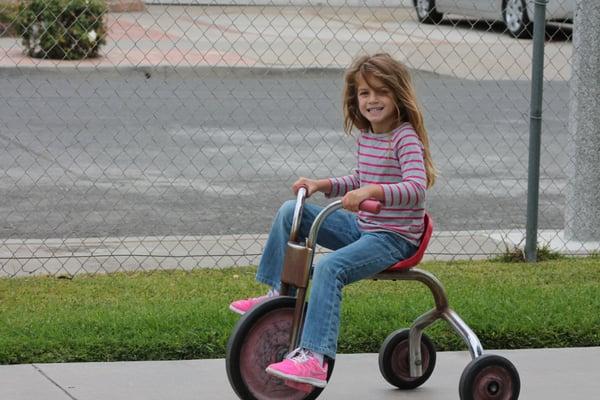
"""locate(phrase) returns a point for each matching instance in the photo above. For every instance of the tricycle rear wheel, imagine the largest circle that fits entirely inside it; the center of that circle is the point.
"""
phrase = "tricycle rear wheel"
(489, 377)
(394, 360)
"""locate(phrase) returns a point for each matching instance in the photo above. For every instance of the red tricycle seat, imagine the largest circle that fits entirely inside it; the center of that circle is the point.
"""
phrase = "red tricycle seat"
(418, 256)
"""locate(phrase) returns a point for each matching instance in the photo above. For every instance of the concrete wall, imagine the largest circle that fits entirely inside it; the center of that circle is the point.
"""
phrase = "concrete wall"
(582, 210)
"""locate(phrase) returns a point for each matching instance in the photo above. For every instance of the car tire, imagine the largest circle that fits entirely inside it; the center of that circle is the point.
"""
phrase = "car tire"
(516, 19)
(426, 12)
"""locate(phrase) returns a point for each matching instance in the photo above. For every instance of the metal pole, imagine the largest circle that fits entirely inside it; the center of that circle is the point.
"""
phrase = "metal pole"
(535, 129)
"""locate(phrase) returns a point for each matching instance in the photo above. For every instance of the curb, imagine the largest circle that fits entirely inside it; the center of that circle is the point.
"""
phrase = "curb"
(187, 71)
(164, 70)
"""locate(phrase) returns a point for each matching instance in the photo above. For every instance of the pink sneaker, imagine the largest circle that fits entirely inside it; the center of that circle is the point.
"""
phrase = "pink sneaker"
(242, 306)
(300, 366)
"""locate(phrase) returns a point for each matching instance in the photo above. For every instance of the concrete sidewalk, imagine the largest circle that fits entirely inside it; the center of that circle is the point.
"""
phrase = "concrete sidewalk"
(184, 38)
(546, 374)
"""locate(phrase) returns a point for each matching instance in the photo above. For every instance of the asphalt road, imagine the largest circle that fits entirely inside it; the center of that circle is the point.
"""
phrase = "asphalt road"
(128, 154)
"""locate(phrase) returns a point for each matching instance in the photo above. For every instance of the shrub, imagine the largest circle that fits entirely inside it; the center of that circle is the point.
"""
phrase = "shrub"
(8, 15)
(62, 29)
(517, 254)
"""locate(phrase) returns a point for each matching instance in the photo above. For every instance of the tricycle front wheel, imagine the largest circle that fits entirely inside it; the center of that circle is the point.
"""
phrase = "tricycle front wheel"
(261, 337)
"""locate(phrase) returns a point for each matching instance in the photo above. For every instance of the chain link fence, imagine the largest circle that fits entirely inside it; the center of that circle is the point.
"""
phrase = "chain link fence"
(176, 144)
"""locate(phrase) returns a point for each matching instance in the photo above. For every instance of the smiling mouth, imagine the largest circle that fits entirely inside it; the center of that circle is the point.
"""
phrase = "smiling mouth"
(370, 109)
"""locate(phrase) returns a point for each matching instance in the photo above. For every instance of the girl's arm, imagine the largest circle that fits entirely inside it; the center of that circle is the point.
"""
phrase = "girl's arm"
(342, 185)
(410, 192)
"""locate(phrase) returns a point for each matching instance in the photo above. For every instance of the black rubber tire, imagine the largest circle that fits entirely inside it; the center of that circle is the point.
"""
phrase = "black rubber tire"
(426, 12)
(261, 337)
(522, 27)
(394, 360)
(489, 377)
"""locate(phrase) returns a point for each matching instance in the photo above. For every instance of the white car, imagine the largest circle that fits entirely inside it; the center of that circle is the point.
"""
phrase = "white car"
(517, 15)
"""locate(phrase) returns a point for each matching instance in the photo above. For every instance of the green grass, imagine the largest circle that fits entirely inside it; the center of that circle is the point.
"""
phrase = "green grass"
(184, 315)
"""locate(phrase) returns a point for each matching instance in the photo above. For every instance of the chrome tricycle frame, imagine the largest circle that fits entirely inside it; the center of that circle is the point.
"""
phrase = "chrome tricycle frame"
(440, 311)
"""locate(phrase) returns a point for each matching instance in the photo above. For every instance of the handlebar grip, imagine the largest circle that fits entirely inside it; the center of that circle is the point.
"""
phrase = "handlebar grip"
(303, 187)
(372, 206)
(300, 197)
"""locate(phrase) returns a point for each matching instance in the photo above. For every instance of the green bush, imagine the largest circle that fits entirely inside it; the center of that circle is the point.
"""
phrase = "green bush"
(8, 15)
(62, 29)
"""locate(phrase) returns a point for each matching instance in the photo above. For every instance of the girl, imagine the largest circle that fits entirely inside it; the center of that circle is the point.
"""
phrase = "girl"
(394, 167)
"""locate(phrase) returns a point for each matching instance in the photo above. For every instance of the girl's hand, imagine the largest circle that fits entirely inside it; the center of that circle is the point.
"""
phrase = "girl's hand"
(352, 199)
(311, 185)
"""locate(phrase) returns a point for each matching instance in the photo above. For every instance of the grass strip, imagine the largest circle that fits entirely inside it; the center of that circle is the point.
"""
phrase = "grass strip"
(184, 315)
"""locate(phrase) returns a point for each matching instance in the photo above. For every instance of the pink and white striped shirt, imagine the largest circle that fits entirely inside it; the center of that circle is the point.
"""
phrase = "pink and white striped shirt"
(395, 162)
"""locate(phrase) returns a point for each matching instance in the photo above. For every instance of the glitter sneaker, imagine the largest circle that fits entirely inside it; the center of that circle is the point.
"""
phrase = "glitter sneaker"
(243, 306)
(300, 366)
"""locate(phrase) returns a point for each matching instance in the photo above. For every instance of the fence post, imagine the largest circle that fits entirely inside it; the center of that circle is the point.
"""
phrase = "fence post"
(535, 129)
(582, 208)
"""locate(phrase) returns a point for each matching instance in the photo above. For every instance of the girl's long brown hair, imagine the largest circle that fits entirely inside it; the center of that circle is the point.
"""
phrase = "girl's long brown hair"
(396, 77)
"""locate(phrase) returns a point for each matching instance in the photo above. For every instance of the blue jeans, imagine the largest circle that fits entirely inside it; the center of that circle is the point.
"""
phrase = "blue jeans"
(357, 255)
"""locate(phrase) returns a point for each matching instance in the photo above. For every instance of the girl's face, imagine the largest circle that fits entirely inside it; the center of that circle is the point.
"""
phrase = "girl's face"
(376, 104)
